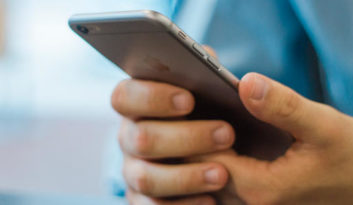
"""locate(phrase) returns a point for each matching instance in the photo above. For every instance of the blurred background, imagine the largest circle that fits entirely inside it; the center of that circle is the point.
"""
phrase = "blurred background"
(55, 114)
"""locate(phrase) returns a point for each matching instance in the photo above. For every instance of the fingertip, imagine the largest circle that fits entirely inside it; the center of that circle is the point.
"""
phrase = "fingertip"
(184, 102)
(224, 135)
(216, 176)
(232, 132)
(223, 176)
(253, 91)
(246, 85)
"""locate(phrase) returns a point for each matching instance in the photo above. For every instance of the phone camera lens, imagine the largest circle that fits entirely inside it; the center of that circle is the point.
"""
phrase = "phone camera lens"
(83, 29)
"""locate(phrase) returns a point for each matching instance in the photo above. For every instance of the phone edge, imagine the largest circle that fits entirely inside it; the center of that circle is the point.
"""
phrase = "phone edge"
(168, 25)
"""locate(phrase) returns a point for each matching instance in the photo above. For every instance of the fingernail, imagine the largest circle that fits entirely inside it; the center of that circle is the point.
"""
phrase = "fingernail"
(221, 136)
(181, 102)
(259, 90)
(212, 176)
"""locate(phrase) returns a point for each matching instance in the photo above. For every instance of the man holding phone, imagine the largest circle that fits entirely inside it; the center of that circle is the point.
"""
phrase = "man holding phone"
(306, 45)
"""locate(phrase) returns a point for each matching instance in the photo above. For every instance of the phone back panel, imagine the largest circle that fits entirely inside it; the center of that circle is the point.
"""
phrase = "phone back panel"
(148, 46)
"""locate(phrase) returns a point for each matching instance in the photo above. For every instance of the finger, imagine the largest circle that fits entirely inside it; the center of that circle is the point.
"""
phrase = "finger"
(278, 105)
(135, 198)
(137, 98)
(159, 180)
(167, 139)
(210, 51)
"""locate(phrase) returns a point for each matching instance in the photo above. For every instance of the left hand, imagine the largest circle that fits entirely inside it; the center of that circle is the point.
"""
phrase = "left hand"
(317, 169)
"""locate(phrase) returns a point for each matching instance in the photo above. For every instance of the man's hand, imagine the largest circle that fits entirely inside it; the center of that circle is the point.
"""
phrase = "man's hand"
(144, 141)
(317, 169)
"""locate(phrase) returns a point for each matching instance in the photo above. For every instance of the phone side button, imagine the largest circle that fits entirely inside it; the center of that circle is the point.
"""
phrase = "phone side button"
(214, 63)
(182, 35)
(199, 50)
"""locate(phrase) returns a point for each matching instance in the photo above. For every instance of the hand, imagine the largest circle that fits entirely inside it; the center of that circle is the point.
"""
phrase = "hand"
(145, 138)
(317, 169)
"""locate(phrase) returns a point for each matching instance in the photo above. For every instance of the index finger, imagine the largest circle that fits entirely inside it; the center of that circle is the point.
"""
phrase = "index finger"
(139, 98)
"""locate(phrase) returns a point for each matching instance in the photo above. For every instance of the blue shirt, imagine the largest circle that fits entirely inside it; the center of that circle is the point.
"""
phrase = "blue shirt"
(305, 44)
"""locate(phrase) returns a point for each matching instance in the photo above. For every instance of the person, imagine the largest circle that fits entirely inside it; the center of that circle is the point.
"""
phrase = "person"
(306, 50)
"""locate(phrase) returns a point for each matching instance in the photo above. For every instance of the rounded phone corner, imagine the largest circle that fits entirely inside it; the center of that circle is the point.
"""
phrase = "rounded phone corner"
(71, 24)
(156, 17)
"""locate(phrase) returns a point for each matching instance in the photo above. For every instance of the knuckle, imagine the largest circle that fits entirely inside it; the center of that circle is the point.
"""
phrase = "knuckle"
(141, 182)
(136, 176)
(287, 106)
(142, 143)
(122, 132)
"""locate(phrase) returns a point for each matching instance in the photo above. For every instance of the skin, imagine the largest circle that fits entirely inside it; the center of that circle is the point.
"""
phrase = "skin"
(316, 169)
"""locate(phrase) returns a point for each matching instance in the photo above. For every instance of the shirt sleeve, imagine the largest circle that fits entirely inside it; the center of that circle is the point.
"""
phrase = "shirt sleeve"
(329, 25)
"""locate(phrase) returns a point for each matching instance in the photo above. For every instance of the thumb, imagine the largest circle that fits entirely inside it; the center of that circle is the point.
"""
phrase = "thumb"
(282, 107)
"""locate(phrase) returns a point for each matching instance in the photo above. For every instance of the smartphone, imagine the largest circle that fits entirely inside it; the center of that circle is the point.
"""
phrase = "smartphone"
(149, 46)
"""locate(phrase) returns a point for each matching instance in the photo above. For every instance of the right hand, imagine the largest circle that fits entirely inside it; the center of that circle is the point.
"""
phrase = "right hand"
(316, 169)
(152, 130)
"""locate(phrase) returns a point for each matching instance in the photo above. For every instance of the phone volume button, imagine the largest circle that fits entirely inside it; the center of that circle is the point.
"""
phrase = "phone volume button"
(214, 63)
(199, 50)
(182, 35)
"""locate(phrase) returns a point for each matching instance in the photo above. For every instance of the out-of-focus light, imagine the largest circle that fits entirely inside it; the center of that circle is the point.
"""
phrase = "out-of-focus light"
(2, 26)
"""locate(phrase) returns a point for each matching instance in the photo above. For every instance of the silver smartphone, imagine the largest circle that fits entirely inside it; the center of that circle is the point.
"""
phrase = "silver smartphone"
(149, 46)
